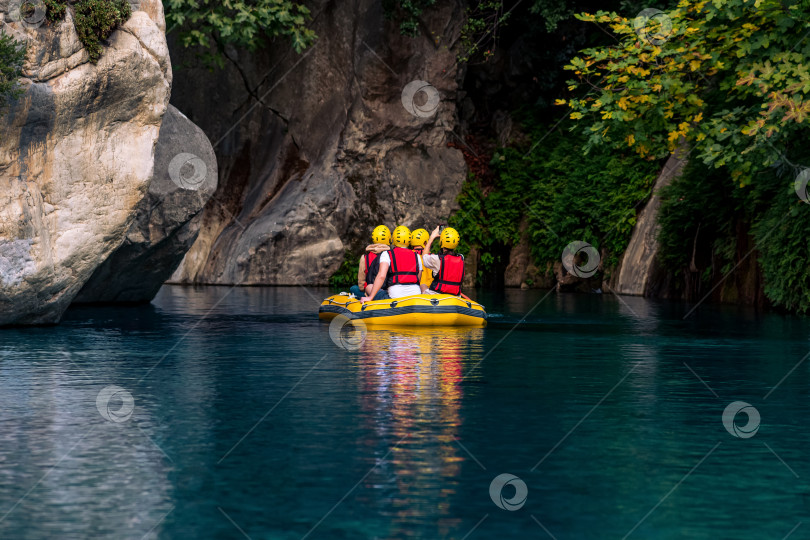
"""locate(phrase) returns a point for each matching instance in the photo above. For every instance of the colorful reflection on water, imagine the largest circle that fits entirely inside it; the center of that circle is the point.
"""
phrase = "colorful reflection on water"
(412, 393)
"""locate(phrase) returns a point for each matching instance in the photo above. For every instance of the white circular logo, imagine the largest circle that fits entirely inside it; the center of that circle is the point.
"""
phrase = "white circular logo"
(188, 171)
(572, 259)
(653, 26)
(347, 333)
(800, 185)
(496, 492)
(730, 414)
(31, 13)
(115, 394)
(431, 103)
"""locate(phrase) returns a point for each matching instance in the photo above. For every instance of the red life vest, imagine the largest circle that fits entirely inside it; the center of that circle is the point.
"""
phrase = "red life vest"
(451, 275)
(418, 250)
(370, 256)
(404, 267)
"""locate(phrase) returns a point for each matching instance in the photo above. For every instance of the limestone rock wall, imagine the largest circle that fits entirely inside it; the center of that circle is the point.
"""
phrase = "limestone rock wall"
(167, 220)
(76, 157)
(315, 149)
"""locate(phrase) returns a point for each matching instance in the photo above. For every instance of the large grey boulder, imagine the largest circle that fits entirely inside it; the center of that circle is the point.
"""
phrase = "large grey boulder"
(167, 220)
(76, 157)
(315, 149)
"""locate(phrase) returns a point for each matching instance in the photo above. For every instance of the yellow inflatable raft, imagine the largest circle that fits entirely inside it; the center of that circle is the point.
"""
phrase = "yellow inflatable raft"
(417, 310)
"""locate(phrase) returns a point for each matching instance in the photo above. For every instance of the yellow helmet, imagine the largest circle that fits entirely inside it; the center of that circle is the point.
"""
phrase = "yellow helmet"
(381, 235)
(419, 238)
(450, 238)
(402, 236)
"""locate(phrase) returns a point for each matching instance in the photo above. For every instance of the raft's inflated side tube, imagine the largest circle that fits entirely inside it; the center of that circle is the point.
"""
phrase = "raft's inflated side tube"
(417, 310)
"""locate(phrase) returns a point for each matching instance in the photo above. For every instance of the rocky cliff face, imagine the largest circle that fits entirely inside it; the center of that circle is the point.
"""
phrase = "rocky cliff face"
(316, 149)
(521, 270)
(166, 221)
(76, 157)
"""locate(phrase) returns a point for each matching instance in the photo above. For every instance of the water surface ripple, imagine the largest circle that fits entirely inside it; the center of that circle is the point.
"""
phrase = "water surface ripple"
(244, 419)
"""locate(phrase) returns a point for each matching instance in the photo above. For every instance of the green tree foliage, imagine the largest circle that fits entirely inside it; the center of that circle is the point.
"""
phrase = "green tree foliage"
(782, 233)
(345, 276)
(12, 55)
(481, 30)
(486, 20)
(563, 198)
(554, 12)
(727, 77)
(698, 214)
(594, 200)
(212, 24)
(702, 211)
(407, 12)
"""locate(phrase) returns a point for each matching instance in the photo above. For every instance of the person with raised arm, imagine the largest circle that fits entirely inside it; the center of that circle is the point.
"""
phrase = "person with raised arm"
(447, 266)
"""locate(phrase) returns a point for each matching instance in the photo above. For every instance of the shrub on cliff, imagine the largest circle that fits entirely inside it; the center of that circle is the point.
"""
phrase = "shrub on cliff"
(12, 55)
(55, 10)
(95, 20)
(346, 275)
(406, 13)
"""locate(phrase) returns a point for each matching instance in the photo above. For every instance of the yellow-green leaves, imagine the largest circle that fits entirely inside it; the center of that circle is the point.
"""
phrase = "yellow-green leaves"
(730, 78)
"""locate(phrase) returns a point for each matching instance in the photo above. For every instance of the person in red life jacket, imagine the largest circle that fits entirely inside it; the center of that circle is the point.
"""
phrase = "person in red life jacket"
(447, 266)
(381, 238)
(398, 270)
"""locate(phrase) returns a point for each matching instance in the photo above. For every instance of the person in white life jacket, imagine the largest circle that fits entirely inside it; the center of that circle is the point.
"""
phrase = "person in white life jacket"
(447, 266)
(398, 270)
(381, 238)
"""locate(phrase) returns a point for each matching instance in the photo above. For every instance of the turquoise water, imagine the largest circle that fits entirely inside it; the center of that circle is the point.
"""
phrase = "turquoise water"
(246, 420)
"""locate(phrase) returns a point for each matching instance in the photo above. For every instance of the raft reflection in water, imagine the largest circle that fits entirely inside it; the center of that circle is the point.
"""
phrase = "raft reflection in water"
(411, 392)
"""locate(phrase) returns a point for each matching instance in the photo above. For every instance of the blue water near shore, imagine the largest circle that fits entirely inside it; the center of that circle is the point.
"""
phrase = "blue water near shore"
(246, 420)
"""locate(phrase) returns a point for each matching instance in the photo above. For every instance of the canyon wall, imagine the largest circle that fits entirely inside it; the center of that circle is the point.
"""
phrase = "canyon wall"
(317, 148)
